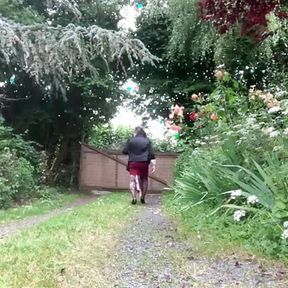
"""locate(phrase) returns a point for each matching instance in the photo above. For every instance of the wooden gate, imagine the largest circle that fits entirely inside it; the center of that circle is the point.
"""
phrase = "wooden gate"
(106, 170)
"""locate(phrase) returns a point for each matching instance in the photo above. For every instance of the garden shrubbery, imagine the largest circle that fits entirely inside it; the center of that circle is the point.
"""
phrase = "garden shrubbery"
(237, 170)
(105, 136)
(19, 172)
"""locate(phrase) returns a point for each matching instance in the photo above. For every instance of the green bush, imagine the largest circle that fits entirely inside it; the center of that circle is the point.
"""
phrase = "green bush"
(163, 145)
(16, 178)
(104, 136)
(19, 168)
(238, 169)
(199, 178)
(224, 179)
(183, 160)
(15, 142)
(207, 175)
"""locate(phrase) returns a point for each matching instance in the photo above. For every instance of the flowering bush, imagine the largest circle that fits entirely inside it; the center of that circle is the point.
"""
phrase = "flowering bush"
(204, 113)
(240, 145)
(239, 214)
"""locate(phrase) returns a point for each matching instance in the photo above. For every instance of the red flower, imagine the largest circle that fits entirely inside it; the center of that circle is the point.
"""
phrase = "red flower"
(193, 116)
(282, 15)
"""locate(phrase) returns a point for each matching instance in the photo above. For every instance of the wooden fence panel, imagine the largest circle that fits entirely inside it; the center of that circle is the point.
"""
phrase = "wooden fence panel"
(100, 169)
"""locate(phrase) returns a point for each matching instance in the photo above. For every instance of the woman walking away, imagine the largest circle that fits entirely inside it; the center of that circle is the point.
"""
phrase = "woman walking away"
(140, 157)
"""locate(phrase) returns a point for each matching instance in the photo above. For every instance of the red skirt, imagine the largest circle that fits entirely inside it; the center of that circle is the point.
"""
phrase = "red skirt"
(138, 168)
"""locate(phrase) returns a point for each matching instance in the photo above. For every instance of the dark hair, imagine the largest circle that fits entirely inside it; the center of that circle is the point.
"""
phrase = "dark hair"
(140, 132)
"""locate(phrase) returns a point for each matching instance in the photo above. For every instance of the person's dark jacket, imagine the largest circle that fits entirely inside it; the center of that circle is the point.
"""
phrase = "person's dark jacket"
(139, 149)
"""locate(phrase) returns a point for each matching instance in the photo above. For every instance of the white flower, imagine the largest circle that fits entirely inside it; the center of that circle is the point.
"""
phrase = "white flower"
(2, 84)
(251, 120)
(271, 132)
(285, 234)
(235, 193)
(274, 134)
(280, 93)
(285, 131)
(238, 215)
(268, 130)
(274, 109)
(285, 224)
(51, 12)
(252, 199)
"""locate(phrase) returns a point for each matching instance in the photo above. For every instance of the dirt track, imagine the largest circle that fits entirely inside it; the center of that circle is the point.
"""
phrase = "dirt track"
(152, 254)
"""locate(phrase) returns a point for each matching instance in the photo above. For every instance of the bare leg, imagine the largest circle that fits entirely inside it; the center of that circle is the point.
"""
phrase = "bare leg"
(138, 183)
(133, 186)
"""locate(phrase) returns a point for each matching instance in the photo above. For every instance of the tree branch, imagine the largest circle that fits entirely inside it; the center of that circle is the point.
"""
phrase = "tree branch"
(53, 54)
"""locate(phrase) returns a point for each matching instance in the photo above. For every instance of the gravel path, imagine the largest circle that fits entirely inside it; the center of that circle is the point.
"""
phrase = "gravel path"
(151, 254)
(14, 227)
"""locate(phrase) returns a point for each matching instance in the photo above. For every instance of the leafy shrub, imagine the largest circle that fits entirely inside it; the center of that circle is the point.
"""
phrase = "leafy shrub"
(104, 136)
(199, 179)
(15, 142)
(183, 160)
(163, 145)
(238, 168)
(247, 153)
(19, 167)
(16, 178)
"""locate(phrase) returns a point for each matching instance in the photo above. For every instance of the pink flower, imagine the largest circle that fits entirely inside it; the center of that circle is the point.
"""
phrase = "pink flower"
(219, 74)
(175, 128)
(193, 116)
(194, 97)
(214, 117)
(178, 111)
(168, 123)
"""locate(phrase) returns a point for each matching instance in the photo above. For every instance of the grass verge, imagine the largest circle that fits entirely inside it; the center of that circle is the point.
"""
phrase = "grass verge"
(219, 235)
(38, 207)
(71, 250)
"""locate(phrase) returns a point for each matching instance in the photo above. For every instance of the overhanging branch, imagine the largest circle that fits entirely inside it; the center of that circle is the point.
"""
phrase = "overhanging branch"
(59, 52)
